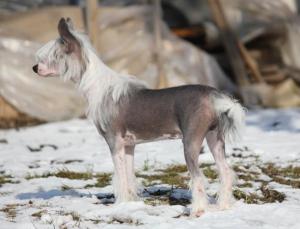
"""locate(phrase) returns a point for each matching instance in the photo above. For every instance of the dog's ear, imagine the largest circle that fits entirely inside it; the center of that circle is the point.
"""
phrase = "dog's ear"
(70, 23)
(68, 40)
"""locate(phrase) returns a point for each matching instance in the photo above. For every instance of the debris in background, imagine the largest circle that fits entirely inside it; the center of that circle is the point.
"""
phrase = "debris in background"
(50, 99)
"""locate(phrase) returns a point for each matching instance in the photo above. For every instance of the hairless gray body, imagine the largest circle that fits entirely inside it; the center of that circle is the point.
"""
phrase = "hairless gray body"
(126, 113)
(147, 114)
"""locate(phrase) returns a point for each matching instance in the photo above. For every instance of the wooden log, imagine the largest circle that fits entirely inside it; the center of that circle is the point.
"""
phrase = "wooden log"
(275, 78)
(195, 31)
(251, 63)
(92, 21)
(270, 69)
(157, 56)
(293, 72)
(230, 42)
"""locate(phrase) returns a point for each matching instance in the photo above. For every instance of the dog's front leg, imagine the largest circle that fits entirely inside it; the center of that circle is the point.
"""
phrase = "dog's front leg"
(122, 187)
(132, 185)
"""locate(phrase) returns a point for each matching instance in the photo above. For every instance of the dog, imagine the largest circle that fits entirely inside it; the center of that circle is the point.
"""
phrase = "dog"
(127, 113)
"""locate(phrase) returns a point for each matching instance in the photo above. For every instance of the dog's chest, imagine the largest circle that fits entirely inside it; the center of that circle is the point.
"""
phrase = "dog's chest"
(131, 138)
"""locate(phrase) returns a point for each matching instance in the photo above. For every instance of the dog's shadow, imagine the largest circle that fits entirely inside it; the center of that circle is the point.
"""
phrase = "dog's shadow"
(162, 194)
(153, 195)
(46, 195)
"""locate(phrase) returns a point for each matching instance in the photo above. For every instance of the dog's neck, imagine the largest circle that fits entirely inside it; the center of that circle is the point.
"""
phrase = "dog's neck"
(102, 86)
(96, 79)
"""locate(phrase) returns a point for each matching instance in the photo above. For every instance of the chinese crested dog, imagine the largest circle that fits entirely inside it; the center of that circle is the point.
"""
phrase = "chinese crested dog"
(127, 113)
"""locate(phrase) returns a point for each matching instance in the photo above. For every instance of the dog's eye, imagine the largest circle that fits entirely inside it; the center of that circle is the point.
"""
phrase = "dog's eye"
(61, 41)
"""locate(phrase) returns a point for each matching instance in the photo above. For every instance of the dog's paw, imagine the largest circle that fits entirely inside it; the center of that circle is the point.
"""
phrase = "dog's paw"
(196, 214)
(225, 204)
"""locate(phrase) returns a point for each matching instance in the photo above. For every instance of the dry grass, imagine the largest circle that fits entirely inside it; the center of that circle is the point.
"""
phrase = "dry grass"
(268, 196)
(39, 214)
(64, 173)
(103, 179)
(4, 179)
(74, 175)
(176, 176)
(283, 175)
(10, 211)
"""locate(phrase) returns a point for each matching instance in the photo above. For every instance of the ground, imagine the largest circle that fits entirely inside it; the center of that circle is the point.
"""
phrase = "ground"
(58, 175)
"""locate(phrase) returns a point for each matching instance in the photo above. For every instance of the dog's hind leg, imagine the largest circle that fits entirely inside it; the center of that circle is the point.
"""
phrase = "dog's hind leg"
(192, 147)
(129, 156)
(216, 144)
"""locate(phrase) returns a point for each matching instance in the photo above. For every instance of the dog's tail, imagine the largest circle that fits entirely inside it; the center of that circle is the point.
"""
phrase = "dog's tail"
(230, 115)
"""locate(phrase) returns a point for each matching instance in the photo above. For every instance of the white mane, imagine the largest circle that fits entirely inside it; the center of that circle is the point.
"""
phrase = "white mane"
(99, 83)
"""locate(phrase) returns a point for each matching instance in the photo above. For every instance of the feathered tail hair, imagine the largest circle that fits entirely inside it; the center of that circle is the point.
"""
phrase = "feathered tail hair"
(231, 116)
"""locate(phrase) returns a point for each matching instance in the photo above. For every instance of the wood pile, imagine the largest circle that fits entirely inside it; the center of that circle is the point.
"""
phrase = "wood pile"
(255, 63)
(10, 117)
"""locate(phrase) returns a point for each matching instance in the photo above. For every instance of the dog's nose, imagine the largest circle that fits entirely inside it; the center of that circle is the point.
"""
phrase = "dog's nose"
(35, 68)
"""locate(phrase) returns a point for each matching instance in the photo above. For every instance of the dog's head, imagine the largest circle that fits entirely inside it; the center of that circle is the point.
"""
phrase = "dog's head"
(62, 56)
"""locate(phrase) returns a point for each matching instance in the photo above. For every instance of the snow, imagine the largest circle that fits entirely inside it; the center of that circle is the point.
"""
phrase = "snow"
(272, 135)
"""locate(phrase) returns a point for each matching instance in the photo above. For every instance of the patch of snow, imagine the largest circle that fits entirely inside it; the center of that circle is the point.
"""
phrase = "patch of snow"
(273, 135)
